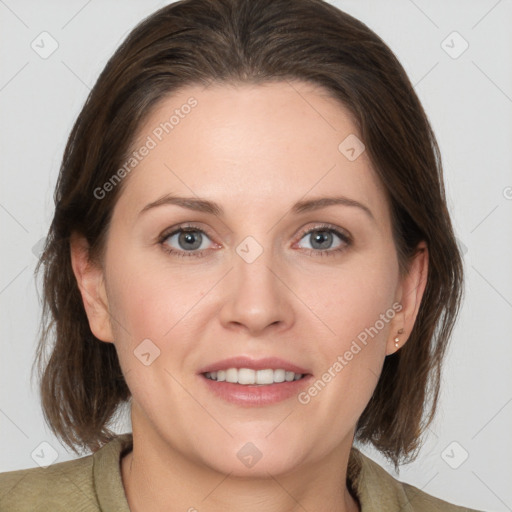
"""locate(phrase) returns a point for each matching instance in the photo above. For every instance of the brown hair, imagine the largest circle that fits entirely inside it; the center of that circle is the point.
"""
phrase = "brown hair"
(194, 42)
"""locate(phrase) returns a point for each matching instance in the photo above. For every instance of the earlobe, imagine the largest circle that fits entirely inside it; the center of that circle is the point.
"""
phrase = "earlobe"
(410, 292)
(90, 280)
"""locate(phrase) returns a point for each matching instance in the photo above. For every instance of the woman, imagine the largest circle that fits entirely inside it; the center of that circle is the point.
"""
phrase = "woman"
(250, 246)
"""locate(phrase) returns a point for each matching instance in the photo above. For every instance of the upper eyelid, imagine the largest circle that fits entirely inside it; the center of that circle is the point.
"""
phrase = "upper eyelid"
(172, 231)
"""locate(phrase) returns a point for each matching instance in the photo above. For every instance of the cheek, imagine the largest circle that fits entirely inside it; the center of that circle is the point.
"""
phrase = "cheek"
(150, 299)
(351, 298)
(356, 304)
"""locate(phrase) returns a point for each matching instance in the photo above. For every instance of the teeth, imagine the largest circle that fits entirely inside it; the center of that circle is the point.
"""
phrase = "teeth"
(246, 376)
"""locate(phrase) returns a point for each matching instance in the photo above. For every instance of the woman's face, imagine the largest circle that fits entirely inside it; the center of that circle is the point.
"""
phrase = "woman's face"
(316, 286)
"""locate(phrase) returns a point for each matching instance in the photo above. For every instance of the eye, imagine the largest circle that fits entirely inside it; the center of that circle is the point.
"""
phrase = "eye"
(185, 241)
(189, 240)
(321, 239)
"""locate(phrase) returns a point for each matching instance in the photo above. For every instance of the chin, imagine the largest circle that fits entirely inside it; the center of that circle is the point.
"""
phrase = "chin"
(253, 456)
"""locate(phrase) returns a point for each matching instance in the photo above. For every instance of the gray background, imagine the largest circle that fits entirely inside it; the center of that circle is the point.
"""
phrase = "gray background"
(468, 98)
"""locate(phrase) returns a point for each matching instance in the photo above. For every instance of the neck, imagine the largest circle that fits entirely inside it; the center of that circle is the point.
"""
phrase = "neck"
(159, 478)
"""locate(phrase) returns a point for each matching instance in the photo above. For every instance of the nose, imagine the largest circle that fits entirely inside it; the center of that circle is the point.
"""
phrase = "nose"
(256, 297)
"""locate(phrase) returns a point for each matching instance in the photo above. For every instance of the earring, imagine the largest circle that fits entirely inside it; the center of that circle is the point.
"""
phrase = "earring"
(396, 339)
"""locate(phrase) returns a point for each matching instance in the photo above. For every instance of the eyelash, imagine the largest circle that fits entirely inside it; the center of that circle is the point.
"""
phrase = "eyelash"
(199, 254)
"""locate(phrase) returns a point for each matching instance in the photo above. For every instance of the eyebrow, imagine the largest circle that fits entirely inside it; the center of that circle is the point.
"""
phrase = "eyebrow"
(206, 206)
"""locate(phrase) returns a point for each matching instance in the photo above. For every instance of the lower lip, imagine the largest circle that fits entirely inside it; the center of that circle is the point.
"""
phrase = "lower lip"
(256, 395)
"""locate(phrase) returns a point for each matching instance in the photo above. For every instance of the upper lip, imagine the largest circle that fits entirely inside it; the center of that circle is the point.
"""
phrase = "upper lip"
(253, 364)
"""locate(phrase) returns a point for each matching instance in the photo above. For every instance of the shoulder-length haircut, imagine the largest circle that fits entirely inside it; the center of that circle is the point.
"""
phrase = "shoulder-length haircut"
(193, 42)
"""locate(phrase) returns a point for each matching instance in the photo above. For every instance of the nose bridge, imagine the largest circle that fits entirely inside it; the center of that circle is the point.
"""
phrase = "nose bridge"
(252, 266)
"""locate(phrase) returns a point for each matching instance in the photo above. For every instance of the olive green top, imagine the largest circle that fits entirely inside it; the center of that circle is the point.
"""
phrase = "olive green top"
(93, 483)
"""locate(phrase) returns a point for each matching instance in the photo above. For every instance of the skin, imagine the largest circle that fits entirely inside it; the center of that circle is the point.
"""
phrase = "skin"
(255, 150)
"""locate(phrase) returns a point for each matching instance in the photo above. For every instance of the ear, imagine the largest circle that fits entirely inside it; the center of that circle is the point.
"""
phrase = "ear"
(91, 284)
(409, 292)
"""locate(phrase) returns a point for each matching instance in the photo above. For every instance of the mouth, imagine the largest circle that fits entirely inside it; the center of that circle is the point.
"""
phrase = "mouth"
(251, 382)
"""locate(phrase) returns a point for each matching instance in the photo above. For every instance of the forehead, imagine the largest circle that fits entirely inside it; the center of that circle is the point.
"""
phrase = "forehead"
(251, 145)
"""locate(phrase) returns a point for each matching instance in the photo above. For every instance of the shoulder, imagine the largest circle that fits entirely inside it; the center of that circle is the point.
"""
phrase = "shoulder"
(421, 501)
(378, 490)
(65, 484)
(87, 484)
